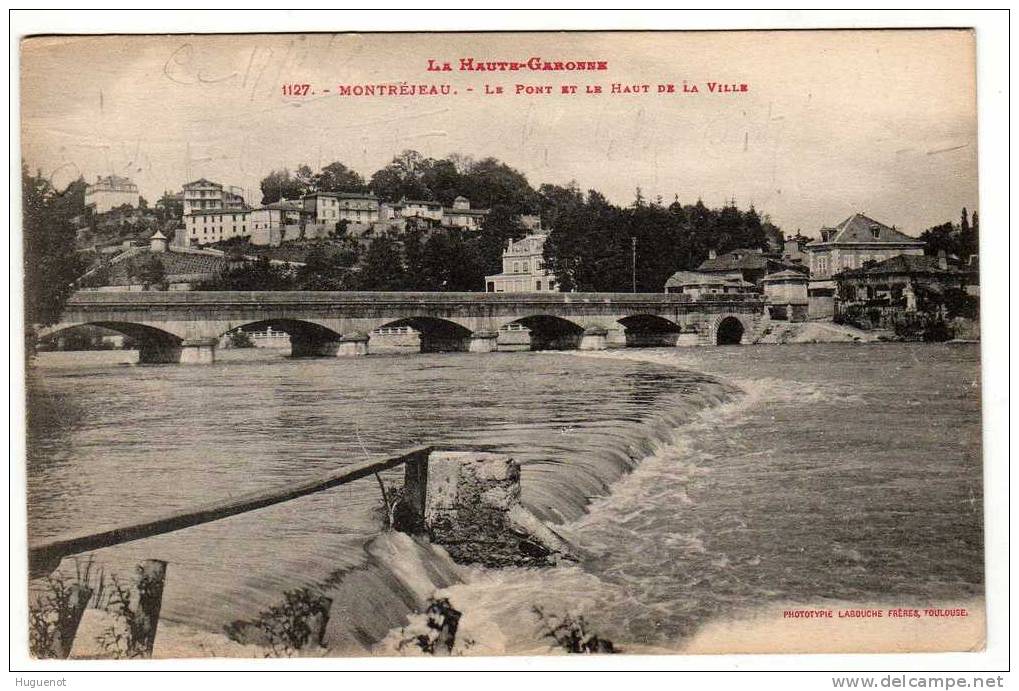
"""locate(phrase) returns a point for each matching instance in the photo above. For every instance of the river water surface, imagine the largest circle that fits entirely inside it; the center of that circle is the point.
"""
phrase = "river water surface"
(793, 473)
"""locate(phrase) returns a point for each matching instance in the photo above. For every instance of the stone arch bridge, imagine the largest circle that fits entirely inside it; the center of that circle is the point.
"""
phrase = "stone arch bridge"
(186, 326)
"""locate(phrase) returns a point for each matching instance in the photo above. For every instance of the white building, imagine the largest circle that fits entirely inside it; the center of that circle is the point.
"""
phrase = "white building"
(110, 192)
(462, 215)
(215, 225)
(523, 268)
(330, 207)
(202, 195)
(268, 223)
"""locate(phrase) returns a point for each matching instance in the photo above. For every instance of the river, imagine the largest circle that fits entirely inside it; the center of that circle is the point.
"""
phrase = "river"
(760, 475)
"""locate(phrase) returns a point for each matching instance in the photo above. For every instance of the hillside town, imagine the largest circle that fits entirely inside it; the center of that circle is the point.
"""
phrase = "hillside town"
(860, 272)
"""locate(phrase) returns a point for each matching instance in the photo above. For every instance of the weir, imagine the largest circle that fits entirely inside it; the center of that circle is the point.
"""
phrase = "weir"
(467, 501)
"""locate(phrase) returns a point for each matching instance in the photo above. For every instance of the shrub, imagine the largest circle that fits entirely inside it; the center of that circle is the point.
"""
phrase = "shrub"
(572, 635)
(53, 617)
(291, 626)
(241, 339)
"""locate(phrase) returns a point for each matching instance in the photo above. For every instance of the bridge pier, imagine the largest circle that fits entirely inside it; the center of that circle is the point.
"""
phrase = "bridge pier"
(353, 345)
(483, 342)
(158, 353)
(594, 338)
(198, 351)
(305, 346)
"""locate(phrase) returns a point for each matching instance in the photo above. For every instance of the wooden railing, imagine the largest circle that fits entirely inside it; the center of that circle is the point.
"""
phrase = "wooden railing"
(44, 558)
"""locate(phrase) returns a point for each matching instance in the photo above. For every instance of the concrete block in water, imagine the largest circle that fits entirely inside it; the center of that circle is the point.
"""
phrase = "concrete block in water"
(472, 508)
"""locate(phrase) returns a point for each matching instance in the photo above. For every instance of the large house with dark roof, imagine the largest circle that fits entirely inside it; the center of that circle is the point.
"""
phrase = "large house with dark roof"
(750, 265)
(849, 245)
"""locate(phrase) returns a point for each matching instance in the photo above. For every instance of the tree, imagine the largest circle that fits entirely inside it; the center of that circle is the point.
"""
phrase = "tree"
(260, 274)
(337, 177)
(152, 272)
(382, 266)
(402, 178)
(280, 184)
(51, 263)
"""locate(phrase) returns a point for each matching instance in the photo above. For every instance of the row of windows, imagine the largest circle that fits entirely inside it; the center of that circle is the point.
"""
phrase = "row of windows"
(849, 261)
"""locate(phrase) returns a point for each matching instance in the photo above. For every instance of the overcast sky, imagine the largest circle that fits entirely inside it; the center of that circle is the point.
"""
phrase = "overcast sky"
(881, 122)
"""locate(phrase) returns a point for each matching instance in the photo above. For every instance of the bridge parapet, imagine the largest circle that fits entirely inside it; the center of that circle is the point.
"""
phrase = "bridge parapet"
(166, 323)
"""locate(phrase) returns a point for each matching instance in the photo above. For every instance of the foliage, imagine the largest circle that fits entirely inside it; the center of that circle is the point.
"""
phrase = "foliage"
(125, 637)
(152, 272)
(291, 626)
(54, 608)
(337, 177)
(260, 274)
(392, 496)
(591, 246)
(240, 339)
(961, 240)
(571, 634)
(442, 621)
(50, 262)
(282, 184)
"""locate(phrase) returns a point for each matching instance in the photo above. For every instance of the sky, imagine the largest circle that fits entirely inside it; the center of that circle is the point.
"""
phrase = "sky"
(831, 122)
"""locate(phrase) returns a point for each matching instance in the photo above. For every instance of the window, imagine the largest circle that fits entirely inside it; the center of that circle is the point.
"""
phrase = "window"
(516, 267)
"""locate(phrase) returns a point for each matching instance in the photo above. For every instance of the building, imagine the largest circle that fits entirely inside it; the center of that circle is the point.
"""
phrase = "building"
(267, 224)
(848, 246)
(697, 284)
(110, 192)
(332, 207)
(786, 295)
(203, 195)
(908, 282)
(750, 265)
(794, 250)
(171, 205)
(216, 225)
(523, 268)
(462, 215)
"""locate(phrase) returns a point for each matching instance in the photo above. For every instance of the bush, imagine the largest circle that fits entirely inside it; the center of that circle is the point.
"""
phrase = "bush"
(292, 626)
(572, 635)
(53, 617)
(240, 339)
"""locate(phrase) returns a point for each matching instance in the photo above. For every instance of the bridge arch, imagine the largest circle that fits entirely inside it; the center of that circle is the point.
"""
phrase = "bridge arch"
(649, 330)
(730, 329)
(437, 335)
(154, 344)
(549, 332)
(307, 338)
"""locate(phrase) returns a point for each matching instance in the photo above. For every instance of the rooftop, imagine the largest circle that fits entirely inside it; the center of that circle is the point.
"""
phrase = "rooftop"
(904, 264)
(689, 278)
(863, 229)
(743, 259)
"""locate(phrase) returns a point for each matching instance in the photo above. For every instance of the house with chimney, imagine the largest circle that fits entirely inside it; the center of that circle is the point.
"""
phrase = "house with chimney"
(749, 265)
(847, 246)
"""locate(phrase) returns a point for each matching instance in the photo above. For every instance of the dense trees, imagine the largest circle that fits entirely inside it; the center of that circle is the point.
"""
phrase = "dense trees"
(51, 263)
(591, 247)
(959, 240)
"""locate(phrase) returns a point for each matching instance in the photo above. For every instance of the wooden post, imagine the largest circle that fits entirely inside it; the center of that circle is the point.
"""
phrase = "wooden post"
(67, 623)
(410, 515)
(147, 600)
